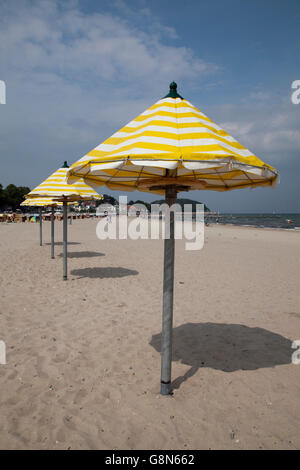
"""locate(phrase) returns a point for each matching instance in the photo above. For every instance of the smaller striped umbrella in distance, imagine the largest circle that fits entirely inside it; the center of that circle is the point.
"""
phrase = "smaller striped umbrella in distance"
(56, 188)
(172, 147)
(46, 202)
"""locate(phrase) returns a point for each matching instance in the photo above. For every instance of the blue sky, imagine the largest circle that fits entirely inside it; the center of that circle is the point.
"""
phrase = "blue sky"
(77, 71)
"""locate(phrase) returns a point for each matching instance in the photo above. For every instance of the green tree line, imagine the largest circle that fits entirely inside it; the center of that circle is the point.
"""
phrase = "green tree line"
(12, 196)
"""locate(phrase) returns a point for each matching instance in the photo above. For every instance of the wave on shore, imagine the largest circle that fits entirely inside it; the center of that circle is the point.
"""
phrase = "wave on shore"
(283, 221)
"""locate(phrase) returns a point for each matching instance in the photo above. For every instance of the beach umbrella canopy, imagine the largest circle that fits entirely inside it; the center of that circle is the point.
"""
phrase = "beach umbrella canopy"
(172, 139)
(172, 147)
(57, 190)
(44, 202)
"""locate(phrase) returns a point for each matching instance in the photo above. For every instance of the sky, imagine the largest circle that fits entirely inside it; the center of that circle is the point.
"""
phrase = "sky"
(77, 71)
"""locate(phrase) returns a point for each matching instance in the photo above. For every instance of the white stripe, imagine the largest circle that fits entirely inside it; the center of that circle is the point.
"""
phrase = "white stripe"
(178, 121)
(211, 152)
(172, 130)
(175, 143)
(171, 165)
(108, 166)
(203, 165)
(174, 110)
(170, 100)
(145, 121)
(139, 151)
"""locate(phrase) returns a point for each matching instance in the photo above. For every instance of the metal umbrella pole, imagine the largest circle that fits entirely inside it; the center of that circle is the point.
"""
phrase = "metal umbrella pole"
(65, 239)
(41, 228)
(168, 288)
(52, 232)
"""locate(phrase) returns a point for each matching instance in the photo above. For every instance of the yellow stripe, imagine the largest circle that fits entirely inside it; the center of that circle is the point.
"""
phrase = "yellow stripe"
(169, 135)
(176, 151)
(181, 104)
(170, 114)
(140, 145)
(174, 125)
(191, 157)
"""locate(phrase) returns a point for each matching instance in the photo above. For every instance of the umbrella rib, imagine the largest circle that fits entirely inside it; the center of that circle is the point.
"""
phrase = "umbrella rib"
(248, 176)
(226, 185)
(140, 174)
(112, 176)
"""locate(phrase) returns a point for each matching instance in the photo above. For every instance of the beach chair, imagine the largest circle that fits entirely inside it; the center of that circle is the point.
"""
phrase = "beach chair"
(18, 218)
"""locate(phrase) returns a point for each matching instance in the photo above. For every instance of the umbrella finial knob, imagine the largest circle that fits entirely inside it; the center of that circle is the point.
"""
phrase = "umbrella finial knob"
(65, 165)
(173, 91)
(173, 86)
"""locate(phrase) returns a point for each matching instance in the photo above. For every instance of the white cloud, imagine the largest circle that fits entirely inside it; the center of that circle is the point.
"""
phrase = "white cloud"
(271, 130)
(74, 78)
(87, 47)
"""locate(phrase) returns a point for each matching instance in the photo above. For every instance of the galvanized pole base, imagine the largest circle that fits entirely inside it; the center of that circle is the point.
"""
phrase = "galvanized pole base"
(41, 227)
(65, 240)
(168, 287)
(52, 232)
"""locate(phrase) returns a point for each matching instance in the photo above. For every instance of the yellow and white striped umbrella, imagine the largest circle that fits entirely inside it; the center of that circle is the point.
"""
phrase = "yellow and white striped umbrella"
(172, 142)
(171, 147)
(44, 202)
(57, 188)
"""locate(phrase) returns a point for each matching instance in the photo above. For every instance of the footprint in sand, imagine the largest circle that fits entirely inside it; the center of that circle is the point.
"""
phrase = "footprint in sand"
(61, 357)
(26, 409)
(40, 361)
(61, 435)
(80, 396)
(13, 375)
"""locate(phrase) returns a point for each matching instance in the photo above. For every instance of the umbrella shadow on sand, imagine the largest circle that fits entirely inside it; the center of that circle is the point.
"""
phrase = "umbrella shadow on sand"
(61, 243)
(226, 347)
(101, 273)
(82, 254)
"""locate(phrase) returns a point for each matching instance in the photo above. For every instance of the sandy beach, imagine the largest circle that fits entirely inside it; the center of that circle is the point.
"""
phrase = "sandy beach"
(83, 356)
